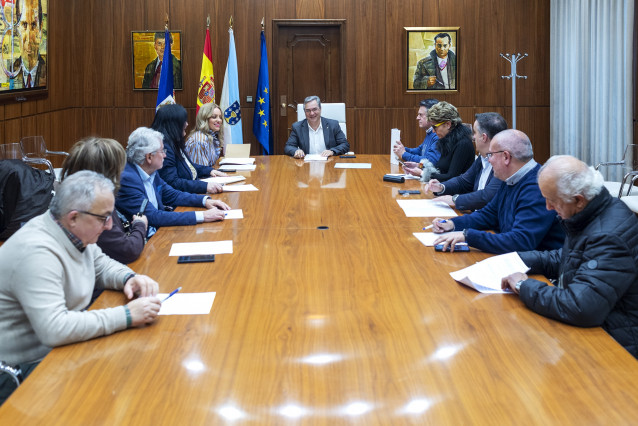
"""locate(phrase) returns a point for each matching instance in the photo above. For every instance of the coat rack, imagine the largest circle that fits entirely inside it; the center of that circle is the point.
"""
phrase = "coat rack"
(513, 59)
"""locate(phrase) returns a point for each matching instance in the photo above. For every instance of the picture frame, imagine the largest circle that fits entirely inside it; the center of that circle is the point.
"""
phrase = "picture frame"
(146, 48)
(426, 69)
(24, 58)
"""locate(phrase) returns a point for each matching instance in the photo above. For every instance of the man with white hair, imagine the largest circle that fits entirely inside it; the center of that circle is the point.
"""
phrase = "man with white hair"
(596, 271)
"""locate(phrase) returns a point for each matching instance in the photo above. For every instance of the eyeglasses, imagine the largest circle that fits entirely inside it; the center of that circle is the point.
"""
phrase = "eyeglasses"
(437, 125)
(105, 219)
(489, 154)
(159, 151)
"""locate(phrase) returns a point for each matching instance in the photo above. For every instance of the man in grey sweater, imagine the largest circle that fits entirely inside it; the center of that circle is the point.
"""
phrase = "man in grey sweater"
(48, 270)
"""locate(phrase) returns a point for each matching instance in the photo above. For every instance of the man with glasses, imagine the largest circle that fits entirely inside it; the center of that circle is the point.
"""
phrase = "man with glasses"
(516, 214)
(49, 269)
(316, 134)
(427, 150)
(145, 155)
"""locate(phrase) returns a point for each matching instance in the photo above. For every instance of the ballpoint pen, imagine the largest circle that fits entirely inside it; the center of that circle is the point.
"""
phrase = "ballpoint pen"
(172, 293)
(430, 226)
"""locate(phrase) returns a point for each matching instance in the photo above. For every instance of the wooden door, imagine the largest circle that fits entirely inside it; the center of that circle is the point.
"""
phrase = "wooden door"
(307, 60)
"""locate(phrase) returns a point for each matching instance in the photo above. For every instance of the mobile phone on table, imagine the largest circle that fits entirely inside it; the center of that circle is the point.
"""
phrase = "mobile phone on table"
(347, 156)
(457, 247)
(143, 207)
(409, 191)
(199, 258)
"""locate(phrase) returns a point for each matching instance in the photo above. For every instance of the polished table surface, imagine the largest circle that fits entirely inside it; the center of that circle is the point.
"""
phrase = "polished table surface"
(358, 323)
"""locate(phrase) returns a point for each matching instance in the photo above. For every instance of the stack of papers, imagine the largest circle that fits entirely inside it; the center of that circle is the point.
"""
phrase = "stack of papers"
(426, 208)
(315, 157)
(428, 238)
(240, 188)
(186, 303)
(353, 165)
(238, 167)
(206, 247)
(486, 275)
(224, 179)
(237, 161)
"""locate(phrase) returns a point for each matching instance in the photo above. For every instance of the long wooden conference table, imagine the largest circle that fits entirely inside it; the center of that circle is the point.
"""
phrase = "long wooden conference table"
(358, 323)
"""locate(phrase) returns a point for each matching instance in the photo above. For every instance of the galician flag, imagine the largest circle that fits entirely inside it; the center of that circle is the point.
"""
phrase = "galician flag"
(261, 120)
(230, 97)
(165, 89)
(206, 92)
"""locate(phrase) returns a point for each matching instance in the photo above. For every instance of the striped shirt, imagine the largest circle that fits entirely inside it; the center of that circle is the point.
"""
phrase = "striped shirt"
(203, 148)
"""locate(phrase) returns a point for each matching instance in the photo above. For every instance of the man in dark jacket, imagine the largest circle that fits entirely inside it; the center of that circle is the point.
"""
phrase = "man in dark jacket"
(597, 268)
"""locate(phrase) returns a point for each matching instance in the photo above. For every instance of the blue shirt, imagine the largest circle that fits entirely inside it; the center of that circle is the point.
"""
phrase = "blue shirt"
(427, 150)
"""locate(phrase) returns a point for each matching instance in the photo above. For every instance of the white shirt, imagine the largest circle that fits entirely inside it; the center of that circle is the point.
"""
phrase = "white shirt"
(487, 168)
(445, 81)
(316, 143)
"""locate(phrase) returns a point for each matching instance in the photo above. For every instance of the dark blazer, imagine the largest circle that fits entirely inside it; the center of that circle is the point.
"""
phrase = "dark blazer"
(332, 134)
(132, 193)
(149, 72)
(177, 174)
(466, 185)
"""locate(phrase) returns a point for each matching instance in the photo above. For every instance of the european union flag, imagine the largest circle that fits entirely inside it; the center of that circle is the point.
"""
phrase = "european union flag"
(165, 88)
(261, 120)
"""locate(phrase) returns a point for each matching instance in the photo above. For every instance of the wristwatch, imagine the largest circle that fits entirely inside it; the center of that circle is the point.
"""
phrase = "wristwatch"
(454, 197)
(517, 286)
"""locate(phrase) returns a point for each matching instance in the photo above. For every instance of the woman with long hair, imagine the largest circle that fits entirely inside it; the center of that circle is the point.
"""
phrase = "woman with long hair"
(179, 171)
(205, 141)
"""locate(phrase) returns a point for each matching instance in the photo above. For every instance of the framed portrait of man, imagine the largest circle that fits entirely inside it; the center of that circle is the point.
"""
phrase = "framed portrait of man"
(24, 25)
(148, 54)
(431, 63)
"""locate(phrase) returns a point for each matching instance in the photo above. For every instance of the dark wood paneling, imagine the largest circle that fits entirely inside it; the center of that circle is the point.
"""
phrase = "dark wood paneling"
(310, 9)
(370, 53)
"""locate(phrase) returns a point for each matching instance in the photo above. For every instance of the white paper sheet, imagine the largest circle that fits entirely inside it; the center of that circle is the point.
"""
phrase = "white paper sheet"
(234, 214)
(426, 208)
(187, 303)
(315, 157)
(485, 276)
(204, 247)
(237, 161)
(238, 167)
(395, 135)
(353, 165)
(224, 179)
(240, 188)
(427, 238)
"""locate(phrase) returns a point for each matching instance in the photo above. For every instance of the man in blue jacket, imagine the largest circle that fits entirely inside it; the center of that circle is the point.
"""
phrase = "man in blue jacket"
(516, 214)
(596, 271)
(477, 186)
(428, 149)
(145, 154)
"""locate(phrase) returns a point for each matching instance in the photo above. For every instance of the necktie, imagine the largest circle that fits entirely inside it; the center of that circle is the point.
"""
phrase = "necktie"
(29, 81)
(443, 64)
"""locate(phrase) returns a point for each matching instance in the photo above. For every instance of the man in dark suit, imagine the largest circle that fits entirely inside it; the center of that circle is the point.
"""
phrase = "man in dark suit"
(316, 134)
(476, 187)
(154, 68)
(31, 66)
(145, 156)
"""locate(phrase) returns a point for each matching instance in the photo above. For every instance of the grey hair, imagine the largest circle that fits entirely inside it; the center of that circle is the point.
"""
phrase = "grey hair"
(516, 143)
(77, 192)
(141, 142)
(574, 178)
(312, 98)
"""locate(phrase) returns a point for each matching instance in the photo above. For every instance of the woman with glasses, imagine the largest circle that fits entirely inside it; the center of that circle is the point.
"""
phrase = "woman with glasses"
(179, 171)
(204, 143)
(455, 145)
(125, 240)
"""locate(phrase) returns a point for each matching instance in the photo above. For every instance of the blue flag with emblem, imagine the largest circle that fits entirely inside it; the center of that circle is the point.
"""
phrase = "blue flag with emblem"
(165, 87)
(261, 120)
(230, 97)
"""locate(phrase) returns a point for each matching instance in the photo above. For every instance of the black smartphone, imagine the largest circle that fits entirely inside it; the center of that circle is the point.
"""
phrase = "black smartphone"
(457, 247)
(196, 258)
(347, 156)
(409, 191)
(228, 171)
(143, 207)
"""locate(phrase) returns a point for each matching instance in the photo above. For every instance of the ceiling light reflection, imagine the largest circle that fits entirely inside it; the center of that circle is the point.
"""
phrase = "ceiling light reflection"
(321, 359)
(292, 411)
(446, 352)
(230, 412)
(357, 408)
(417, 406)
(194, 365)
(316, 320)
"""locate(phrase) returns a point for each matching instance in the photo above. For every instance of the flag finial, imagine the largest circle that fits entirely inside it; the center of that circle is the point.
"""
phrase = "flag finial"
(230, 22)
(166, 21)
(262, 23)
(208, 22)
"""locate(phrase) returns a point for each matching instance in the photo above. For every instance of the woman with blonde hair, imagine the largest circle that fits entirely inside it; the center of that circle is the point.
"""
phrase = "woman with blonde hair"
(125, 241)
(205, 142)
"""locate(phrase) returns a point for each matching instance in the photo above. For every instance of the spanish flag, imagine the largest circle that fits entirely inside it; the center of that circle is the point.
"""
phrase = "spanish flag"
(206, 92)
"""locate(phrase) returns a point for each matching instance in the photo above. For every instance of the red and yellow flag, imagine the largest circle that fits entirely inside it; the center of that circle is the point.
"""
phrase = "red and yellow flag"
(206, 92)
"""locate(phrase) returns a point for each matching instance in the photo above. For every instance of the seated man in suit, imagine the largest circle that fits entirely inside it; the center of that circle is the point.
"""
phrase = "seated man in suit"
(477, 186)
(316, 134)
(428, 149)
(516, 214)
(145, 154)
(597, 268)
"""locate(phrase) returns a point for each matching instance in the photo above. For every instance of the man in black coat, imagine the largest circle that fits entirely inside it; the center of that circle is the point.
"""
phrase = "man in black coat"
(596, 271)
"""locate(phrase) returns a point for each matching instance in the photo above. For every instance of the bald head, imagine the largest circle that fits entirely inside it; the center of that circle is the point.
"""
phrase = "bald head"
(568, 184)
(516, 143)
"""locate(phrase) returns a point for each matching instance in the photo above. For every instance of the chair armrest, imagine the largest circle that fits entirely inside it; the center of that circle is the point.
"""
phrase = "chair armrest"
(15, 373)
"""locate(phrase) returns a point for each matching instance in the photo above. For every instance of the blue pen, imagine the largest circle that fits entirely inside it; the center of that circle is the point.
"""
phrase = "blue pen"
(440, 221)
(172, 293)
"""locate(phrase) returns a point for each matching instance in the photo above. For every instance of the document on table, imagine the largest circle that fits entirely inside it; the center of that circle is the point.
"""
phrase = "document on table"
(353, 165)
(204, 247)
(426, 208)
(224, 179)
(427, 238)
(238, 167)
(485, 276)
(404, 175)
(237, 161)
(315, 157)
(187, 303)
(234, 214)
(395, 135)
(240, 188)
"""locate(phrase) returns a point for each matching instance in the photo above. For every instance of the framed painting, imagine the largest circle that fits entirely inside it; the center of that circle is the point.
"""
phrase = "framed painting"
(24, 26)
(148, 51)
(431, 63)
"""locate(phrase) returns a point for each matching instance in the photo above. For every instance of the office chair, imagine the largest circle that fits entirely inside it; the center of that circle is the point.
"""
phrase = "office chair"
(630, 162)
(336, 111)
(35, 149)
